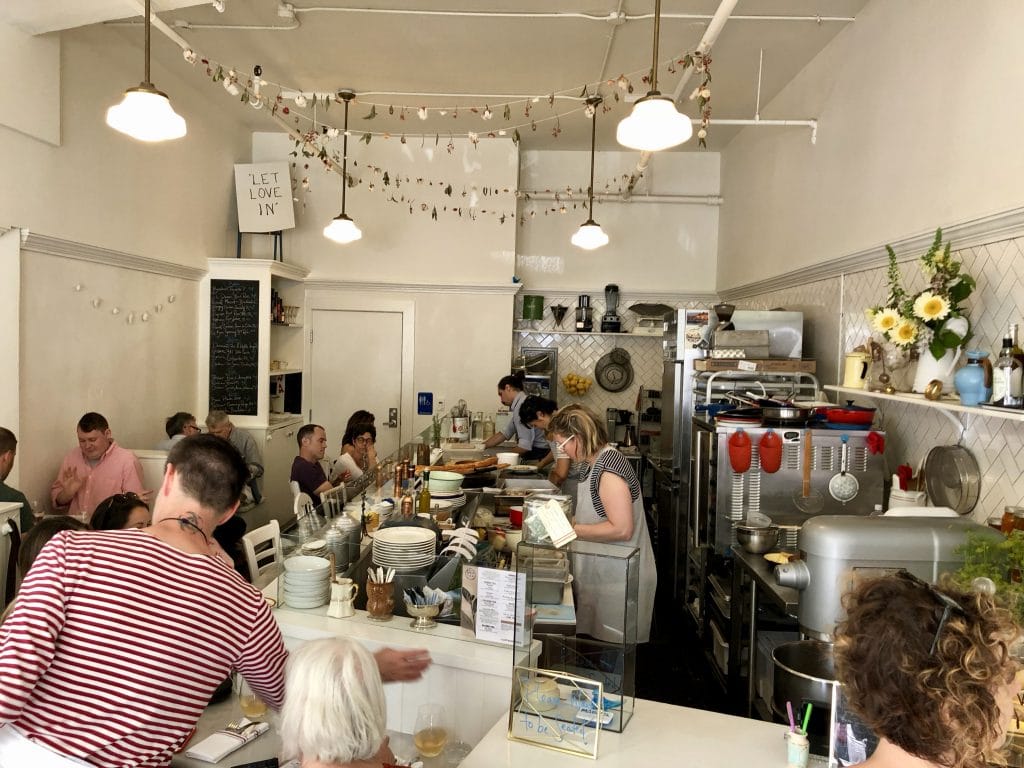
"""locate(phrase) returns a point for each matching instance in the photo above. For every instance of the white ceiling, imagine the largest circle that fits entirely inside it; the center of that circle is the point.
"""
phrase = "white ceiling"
(490, 57)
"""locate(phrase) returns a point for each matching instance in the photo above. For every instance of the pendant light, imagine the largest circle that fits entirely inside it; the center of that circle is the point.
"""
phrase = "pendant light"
(590, 235)
(654, 124)
(342, 229)
(146, 113)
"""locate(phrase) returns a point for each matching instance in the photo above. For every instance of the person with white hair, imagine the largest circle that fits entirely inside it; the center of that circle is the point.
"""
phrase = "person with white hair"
(334, 714)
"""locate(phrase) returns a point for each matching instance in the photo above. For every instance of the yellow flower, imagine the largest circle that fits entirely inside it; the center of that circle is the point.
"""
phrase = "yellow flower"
(885, 320)
(931, 306)
(905, 333)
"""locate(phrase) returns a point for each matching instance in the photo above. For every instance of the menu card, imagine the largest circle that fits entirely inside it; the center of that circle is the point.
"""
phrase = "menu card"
(489, 605)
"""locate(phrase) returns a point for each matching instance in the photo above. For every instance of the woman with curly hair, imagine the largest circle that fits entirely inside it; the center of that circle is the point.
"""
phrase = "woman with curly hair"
(928, 669)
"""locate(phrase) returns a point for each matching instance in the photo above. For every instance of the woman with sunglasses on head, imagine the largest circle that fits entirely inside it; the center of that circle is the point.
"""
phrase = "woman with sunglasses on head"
(122, 510)
(609, 508)
(358, 452)
(928, 670)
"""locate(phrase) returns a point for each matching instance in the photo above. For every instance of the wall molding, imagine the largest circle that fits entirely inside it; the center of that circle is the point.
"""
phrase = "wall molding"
(71, 249)
(328, 284)
(967, 234)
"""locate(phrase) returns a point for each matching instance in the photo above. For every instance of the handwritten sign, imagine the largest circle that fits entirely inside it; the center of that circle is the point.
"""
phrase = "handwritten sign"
(263, 192)
(556, 710)
(234, 345)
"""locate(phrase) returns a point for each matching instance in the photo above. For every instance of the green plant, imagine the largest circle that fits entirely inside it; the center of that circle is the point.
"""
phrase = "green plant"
(998, 559)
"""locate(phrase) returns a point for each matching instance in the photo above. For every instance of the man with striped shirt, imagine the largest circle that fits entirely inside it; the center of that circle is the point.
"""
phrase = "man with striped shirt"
(119, 638)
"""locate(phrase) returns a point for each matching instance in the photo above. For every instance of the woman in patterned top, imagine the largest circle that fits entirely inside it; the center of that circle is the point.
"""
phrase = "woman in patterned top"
(610, 509)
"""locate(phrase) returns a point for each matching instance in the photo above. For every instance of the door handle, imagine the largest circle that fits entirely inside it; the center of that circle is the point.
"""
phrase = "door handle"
(393, 418)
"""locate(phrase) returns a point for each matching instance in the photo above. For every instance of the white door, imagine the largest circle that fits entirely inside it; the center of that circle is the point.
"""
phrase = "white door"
(356, 364)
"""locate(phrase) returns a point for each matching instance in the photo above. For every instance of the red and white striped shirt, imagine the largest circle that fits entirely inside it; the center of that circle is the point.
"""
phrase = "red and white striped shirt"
(118, 640)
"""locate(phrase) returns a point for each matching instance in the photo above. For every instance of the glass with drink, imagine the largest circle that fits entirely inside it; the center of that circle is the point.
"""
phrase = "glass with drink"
(431, 732)
(252, 706)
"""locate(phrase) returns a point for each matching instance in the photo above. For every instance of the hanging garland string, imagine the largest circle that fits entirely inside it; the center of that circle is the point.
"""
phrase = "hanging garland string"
(250, 90)
(315, 141)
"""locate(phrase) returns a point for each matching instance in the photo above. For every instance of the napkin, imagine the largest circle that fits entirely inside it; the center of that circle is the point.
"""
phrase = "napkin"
(219, 745)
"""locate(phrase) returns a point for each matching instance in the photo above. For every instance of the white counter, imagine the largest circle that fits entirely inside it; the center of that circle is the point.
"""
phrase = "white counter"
(472, 679)
(658, 735)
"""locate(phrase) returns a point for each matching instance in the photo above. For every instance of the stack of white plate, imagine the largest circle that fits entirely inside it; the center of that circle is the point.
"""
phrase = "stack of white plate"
(455, 498)
(307, 581)
(404, 548)
(315, 548)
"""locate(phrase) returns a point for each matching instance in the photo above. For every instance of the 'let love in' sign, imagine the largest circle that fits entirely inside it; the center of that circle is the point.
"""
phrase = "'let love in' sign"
(263, 192)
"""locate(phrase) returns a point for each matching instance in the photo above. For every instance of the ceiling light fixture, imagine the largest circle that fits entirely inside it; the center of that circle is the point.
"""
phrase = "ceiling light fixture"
(590, 235)
(654, 124)
(342, 229)
(146, 113)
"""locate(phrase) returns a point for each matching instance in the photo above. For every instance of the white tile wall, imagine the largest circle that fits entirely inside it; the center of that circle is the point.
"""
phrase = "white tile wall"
(834, 309)
(579, 353)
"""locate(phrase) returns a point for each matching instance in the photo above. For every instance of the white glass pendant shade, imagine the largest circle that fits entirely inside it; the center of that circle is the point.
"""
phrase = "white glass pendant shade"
(146, 114)
(653, 125)
(589, 236)
(342, 230)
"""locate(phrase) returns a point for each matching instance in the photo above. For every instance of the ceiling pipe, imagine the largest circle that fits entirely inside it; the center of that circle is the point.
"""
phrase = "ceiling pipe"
(714, 29)
(615, 197)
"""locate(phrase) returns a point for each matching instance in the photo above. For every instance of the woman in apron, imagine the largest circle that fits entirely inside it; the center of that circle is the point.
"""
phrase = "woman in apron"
(609, 509)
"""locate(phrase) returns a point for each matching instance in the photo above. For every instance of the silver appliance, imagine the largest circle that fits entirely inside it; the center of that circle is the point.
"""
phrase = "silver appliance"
(773, 493)
(539, 366)
(785, 329)
(611, 322)
(684, 341)
(836, 550)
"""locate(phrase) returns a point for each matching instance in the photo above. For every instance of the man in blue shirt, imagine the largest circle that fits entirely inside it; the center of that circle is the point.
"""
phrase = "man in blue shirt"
(530, 442)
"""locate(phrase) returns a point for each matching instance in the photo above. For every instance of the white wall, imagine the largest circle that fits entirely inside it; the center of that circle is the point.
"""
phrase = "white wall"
(30, 102)
(656, 247)
(97, 188)
(171, 201)
(463, 334)
(399, 246)
(919, 126)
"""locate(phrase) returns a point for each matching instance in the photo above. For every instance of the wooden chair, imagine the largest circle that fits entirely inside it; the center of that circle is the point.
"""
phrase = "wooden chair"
(303, 506)
(262, 548)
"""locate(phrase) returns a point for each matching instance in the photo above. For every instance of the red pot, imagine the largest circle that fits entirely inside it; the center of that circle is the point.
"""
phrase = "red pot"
(849, 414)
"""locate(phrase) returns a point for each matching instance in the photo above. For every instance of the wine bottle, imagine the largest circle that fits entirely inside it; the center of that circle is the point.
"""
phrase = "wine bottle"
(1006, 382)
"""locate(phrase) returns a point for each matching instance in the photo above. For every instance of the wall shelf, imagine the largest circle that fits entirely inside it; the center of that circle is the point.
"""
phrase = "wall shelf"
(947, 405)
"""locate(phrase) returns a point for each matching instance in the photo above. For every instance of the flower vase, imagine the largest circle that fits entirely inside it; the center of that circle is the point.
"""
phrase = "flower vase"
(929, 369)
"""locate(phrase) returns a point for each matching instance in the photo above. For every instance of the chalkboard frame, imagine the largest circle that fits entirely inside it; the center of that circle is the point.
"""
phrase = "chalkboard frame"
(234, 380)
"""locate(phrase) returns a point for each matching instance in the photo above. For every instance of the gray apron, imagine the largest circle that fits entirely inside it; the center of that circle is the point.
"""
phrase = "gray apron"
(600, 583)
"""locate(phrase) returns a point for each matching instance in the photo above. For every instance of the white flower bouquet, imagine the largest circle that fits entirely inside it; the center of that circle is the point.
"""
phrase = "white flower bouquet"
(933, 317)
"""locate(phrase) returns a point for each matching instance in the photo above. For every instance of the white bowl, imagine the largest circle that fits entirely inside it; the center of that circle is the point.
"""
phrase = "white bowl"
(306, 564)
(445, 482)
(512, 459)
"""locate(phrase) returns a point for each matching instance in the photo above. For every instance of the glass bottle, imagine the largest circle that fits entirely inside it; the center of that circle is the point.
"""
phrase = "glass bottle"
(477, 430)
(1015, 350)
(1006, 382)
(424, 506)
(488, 430)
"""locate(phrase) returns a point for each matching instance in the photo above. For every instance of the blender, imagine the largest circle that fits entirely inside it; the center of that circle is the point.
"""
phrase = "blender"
(610, 321)
(584, 315)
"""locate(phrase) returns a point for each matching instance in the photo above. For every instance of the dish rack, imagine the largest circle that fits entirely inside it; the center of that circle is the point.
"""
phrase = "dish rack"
(712, 388)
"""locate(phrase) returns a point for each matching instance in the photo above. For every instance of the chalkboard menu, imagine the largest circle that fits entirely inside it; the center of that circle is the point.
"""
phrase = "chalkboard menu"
(234, 345)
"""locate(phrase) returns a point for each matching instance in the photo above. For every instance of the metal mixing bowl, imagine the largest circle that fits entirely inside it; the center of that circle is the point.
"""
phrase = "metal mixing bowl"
(757, 540)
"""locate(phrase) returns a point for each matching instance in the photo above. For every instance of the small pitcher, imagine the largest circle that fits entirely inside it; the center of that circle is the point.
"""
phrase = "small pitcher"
(343, 595)
(379, 600)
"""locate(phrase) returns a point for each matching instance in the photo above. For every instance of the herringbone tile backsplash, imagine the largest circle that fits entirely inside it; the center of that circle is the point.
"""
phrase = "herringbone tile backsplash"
(998, 300)
(580, 352)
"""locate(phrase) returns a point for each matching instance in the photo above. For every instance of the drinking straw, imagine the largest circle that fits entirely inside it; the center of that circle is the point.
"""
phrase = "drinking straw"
(792, 722)
(807, 717)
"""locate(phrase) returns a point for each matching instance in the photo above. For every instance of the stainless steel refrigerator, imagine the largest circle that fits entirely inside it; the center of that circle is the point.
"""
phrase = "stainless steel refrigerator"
(686, 331)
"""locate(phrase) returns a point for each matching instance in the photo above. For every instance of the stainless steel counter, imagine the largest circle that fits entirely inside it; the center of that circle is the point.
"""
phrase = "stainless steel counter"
(761, 575)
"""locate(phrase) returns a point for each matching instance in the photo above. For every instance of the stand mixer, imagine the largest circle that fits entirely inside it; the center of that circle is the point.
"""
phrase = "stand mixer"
(610, 321)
